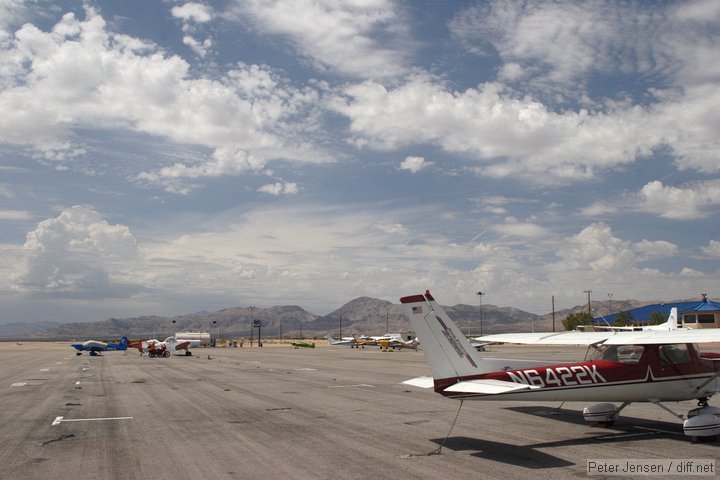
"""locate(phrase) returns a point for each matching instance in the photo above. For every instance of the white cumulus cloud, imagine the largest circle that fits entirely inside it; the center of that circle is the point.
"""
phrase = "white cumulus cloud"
(414, 164)
(280, 188)
(77, 253)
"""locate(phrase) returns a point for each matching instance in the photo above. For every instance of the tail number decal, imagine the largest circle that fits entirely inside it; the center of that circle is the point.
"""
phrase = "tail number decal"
(558, 376)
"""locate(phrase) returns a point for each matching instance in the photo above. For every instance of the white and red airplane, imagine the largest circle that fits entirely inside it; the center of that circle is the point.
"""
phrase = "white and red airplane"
(647, 366)
(162, 349)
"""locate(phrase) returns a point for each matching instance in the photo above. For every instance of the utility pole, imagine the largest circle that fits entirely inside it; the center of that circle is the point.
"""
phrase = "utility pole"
(553, 313)
(610, 303)
(588, 294)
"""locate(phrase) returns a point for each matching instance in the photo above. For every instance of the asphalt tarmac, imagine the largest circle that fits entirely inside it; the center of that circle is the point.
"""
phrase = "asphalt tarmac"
(280, 413)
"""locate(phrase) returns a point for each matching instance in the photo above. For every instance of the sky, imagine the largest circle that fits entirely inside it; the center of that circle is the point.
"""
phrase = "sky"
(168, 157)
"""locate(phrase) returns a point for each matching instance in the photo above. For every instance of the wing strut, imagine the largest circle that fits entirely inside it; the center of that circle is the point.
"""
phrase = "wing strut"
(708, 380)
(681, 417)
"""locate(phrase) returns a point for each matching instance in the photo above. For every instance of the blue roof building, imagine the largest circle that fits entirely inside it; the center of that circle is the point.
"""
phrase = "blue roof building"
(701, 314)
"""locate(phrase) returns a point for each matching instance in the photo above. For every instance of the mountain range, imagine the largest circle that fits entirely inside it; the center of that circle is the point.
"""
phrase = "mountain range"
(363, 315)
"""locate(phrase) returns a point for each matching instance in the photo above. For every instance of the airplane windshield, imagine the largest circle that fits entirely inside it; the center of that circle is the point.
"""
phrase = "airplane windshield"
(627, 354)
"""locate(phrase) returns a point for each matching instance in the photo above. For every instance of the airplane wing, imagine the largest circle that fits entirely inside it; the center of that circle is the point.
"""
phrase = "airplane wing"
(660, 337)
(551, 338)
(646, 337)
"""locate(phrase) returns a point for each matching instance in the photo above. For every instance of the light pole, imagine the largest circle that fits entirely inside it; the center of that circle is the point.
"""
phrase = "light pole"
(252, 324)
(610, 303)
(259, 333)
(480, 294)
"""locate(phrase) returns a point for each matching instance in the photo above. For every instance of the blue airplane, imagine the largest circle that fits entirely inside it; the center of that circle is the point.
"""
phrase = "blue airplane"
(95, 346)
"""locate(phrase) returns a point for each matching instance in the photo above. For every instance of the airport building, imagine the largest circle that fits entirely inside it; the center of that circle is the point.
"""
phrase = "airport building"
(700, 314)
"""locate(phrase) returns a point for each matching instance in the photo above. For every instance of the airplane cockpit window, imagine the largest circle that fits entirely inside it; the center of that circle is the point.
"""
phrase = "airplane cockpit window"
(674, 354)
(628, 354)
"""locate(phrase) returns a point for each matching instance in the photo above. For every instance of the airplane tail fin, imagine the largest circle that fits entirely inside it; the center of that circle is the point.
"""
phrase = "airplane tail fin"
(124, 342)
(447, 350)
(671, 323)
(673, 319)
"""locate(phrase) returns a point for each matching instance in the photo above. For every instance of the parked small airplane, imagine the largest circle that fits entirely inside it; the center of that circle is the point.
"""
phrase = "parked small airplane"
(671, 324)
(153, 347)
(354, 341)
(95, 346)
(626, 367)
(303, 344)
(343, 341)
(396, 343)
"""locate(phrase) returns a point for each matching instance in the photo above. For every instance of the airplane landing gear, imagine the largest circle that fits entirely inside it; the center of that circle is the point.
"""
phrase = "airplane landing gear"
(602, 414)
(703, 423)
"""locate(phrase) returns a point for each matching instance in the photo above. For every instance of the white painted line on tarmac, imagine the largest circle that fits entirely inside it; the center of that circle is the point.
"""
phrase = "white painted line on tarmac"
(350, 386)
(44, 369)
(59, 420)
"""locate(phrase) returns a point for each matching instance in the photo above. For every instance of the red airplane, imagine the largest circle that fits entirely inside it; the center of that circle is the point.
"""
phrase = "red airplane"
(626, 367)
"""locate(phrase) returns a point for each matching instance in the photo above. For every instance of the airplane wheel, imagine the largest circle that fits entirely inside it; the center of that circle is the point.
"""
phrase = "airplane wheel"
(188, 353)
(166, 354)
(78, 353)
(151, 354)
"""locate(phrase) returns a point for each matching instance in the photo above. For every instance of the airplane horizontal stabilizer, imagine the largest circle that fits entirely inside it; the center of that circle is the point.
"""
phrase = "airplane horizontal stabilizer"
(422, 382)
(488, 387)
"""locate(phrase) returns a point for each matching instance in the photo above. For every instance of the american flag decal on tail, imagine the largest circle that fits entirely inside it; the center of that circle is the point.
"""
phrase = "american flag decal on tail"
(417, 310)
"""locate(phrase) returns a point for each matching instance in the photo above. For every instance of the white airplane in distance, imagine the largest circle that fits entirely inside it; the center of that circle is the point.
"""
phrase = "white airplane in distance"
(397, 343)
(343, 341)
(171, 344)
(670, 324)
(361, 341)
(648, 366)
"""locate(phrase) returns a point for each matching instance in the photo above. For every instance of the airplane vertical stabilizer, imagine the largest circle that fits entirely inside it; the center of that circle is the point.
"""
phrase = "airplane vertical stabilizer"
(671, 323)
(446, 348)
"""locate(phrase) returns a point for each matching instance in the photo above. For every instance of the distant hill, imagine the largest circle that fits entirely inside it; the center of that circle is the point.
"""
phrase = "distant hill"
(363, 315)
(23, 328)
